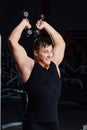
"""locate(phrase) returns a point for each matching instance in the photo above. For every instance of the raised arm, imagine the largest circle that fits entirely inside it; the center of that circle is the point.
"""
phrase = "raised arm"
(59, 43)
(23, 62)
(18, 52)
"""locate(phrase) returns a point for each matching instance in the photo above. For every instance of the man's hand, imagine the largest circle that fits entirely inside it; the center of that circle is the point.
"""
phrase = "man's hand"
(40, 24)
(27, 23)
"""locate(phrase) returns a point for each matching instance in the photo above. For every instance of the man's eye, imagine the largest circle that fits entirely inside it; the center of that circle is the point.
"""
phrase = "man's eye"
(45, 51)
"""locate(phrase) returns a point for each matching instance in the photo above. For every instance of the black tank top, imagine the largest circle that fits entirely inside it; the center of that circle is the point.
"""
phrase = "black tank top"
(43, 89)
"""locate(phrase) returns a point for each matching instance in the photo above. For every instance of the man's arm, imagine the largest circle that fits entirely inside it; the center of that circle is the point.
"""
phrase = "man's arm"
(24, 63)
(18, 52)
(59, 43)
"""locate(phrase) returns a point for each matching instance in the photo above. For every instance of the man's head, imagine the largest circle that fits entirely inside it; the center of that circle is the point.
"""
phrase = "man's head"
(43, 50)
(42, 41)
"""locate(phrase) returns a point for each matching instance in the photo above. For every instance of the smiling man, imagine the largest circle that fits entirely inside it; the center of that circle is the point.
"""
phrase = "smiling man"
(40, 76)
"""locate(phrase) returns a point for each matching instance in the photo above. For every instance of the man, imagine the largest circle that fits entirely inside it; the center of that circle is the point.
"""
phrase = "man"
(40, 76)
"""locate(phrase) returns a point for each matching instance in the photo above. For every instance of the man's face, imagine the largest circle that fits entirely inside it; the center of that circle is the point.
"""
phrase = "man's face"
(44, 55)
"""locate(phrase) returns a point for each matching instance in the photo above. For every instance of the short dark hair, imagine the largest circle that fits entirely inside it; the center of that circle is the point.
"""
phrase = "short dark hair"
(42, 41)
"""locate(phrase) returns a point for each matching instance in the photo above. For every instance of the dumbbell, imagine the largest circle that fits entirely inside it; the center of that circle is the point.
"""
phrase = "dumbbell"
(37, 31)
(29, 31)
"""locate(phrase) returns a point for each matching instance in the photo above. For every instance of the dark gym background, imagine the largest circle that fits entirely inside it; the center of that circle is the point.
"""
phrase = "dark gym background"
(69, 17)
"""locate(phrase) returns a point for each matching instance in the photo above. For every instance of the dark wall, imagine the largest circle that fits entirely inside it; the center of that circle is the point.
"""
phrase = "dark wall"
(69, 14)
(11, 11)
(63, 14)
(11, 15)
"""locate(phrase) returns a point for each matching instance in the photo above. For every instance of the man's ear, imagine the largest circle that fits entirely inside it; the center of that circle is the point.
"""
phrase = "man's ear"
(35, 53)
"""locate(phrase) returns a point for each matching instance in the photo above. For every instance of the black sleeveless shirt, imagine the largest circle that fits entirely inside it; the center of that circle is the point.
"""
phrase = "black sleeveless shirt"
(43, 89)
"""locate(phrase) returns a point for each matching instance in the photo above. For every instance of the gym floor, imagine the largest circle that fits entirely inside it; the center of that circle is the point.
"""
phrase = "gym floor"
(72, 118)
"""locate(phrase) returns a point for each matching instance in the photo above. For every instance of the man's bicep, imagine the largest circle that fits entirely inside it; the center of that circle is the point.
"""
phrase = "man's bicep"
(58, 55)
(19, 54)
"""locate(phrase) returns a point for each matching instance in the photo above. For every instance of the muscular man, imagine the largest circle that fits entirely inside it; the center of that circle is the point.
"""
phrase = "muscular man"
(40, 76)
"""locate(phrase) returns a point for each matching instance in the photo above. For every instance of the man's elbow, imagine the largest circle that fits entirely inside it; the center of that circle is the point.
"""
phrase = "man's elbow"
(11, 40)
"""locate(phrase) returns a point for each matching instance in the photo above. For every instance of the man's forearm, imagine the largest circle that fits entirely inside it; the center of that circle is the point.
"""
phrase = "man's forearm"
(56, 37)
(16, 33)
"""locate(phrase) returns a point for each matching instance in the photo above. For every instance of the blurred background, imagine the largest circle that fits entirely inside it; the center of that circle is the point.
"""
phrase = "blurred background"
(69, 18)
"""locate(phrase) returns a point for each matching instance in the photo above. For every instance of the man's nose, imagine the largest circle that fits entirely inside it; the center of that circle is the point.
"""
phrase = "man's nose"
(49, 54)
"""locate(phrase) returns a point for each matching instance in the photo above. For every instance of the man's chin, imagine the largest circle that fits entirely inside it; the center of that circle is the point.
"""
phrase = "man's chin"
(48, 63)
